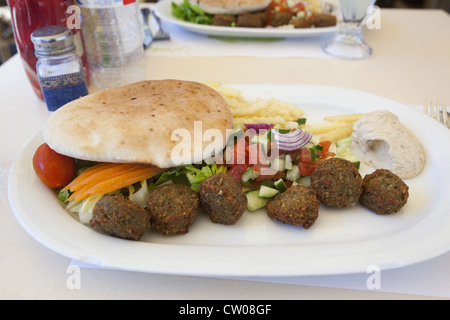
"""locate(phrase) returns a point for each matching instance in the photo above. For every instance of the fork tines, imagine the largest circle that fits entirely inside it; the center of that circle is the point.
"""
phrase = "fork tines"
(160, 34)
(437, 111)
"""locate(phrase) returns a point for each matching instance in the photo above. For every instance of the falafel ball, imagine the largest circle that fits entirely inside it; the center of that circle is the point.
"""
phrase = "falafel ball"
(248, 20)
(301, 23)
(224, 20)
(173, 208)
(337, 183)
(281, 18)
(119, 217)
(222, 198)
(324, 20)
(384, 192)
(298, 205)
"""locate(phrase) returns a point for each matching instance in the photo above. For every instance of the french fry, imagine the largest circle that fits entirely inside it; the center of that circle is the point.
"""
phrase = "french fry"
(345, 117)
(275, 120)
(274, 111)
(324, 127)
(337, 134)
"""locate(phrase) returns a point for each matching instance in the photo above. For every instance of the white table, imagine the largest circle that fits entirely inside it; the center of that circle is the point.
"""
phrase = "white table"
(410, 64)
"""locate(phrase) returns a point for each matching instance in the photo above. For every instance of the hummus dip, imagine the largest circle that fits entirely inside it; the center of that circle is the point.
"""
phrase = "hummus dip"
(388, 144)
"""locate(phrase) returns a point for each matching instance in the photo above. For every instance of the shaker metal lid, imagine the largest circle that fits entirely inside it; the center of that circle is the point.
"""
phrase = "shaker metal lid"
(52, 40)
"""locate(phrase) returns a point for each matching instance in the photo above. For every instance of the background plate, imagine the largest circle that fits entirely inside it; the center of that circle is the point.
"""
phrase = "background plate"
(341, 241)
(164, 11)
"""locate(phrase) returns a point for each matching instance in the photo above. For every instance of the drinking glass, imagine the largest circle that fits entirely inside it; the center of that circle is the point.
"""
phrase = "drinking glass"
(349, 42)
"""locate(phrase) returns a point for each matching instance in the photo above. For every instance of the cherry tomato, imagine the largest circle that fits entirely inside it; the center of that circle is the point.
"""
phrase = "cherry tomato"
(54, 169)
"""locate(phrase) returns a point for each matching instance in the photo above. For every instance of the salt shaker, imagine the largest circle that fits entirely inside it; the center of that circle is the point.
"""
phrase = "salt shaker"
(59, 68)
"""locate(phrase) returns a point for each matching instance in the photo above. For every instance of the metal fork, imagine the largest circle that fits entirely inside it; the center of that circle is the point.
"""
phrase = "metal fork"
(161, 34)
(437, 111)
(147, 31)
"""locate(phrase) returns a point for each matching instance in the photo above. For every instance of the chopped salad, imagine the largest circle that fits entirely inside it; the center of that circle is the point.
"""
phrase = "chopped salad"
(266, 160)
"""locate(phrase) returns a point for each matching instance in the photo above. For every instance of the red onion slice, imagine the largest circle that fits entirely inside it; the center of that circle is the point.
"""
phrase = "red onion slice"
(258, 126)
(293, 140)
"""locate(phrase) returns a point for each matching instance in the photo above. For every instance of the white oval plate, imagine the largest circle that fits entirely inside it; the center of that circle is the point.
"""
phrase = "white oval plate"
(164, 11)
(341, 240)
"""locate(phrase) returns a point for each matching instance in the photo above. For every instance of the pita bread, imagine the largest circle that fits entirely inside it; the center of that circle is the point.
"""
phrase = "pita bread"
(232, 6)
(135, 123)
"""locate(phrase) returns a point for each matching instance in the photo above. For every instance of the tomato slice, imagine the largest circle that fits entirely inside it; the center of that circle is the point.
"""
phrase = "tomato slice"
(53, 169)
(305, 155)
(256, 156)
(297, 8)
(307, 168)
(327, 155)
(326, 145)
(325, 152)
(238, 170)
(239, 153)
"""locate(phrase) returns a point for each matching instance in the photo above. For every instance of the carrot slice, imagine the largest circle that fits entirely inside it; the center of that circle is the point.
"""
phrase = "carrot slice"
(87, 173)
(121, 181)
(105, 183)
(92, 177)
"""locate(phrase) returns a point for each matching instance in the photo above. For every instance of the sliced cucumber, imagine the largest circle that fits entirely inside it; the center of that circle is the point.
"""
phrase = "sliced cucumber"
(247, 175)
(263, 140)
(254, 201)
(294, 174)
(267, 192)
(268, 183)
(250, 174)
(347, 154)
(260, 138)
(344, 143)
(280, 185)
(288, 162)
(277, 164)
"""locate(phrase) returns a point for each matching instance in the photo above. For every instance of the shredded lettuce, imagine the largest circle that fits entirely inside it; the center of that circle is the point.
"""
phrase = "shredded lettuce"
(191, 175)
(191, 13)
(140, 196)
(85, 213)
(197, 175)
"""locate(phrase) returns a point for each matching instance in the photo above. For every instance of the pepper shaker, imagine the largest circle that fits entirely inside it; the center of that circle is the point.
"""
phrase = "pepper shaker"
(59, 68)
